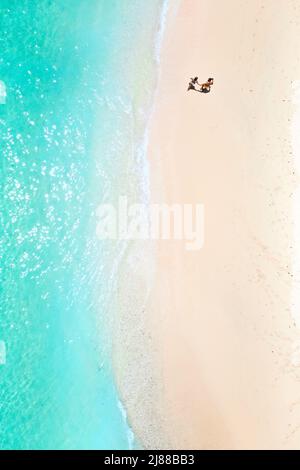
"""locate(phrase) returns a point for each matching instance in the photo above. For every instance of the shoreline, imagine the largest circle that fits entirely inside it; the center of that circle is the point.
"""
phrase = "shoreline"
(135, 353)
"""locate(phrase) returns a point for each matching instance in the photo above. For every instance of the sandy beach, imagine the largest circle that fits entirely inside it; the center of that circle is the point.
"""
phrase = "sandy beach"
(220, 320)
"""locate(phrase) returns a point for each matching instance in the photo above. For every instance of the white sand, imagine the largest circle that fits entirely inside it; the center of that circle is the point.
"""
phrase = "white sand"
(220, 368)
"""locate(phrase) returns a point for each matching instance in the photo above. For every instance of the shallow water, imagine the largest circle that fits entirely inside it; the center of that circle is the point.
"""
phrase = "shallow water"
(79, 80)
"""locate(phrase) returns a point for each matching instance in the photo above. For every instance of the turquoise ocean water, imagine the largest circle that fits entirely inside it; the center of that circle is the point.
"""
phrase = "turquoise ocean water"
(79, 78)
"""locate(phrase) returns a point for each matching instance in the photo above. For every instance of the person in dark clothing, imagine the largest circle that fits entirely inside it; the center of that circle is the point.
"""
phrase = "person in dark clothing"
(192, 84)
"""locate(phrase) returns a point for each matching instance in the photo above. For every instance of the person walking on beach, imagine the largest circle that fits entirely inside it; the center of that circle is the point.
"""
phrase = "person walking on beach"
(204, 87)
